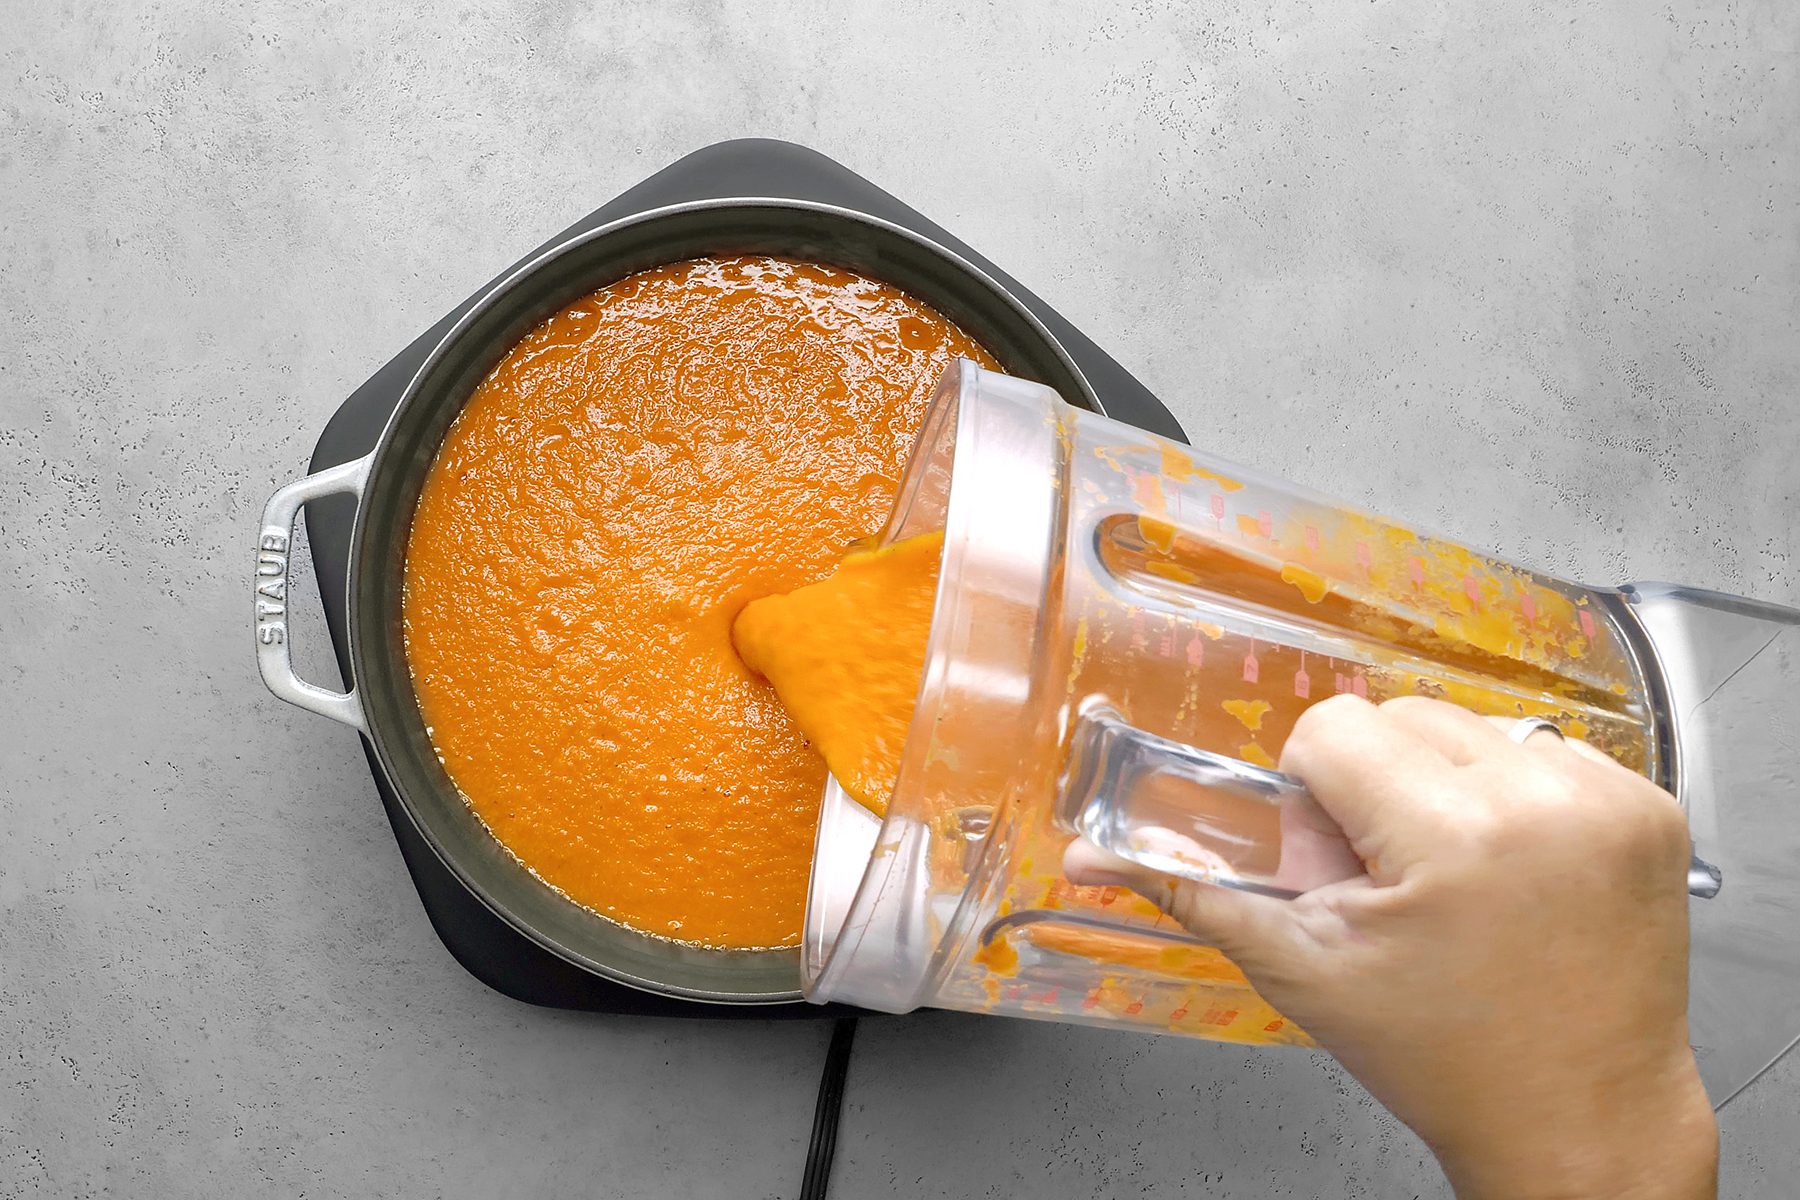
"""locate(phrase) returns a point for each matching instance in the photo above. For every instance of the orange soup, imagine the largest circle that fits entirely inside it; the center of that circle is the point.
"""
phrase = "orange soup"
(630, 474)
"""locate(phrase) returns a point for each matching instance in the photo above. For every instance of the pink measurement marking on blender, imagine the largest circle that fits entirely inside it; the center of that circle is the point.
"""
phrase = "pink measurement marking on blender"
(1196, 652)
(1587, 624)
(1312, 538)
(1266, 523)
(1360, 685)
(1251, 669)
(1362, 555)
(1472, 590)
(1415, 569)
(1527, 605)
(1302, 683)
(1218, 507)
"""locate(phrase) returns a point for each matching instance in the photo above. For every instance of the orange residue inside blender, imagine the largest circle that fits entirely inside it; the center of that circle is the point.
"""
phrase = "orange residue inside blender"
(1431, 600)
(1250, 752)
(1248, 712)
(1312, 585)
(1161, 956)
(1451, 624)
(1183, 469)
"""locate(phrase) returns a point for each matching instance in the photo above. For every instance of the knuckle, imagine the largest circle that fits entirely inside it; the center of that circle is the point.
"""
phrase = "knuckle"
(1409, 704)
(1471, 830)
(1326, 712)
(1511, 807)
(1550, 810)
(1548, 784)
(1490, 832)
(1551, 784)
(1318, 731)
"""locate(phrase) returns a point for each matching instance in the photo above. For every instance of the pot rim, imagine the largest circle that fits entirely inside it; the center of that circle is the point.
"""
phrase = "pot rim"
(489, 297)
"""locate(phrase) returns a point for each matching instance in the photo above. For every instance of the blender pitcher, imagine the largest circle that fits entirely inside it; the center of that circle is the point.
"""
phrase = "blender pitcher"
(1125, 631)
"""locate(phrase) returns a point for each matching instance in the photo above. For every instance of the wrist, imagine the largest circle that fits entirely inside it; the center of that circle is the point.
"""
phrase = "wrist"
(1656, 1141)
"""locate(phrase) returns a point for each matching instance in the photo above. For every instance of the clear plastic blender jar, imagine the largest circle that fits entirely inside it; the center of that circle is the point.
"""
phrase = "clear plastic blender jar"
(1125, 631)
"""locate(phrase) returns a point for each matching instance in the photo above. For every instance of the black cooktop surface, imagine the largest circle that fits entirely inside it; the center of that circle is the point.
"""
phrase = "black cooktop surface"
(489, 948)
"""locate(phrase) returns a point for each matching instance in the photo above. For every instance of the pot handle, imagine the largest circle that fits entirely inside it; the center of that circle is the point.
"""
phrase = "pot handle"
(270, 588)
(1202, 816)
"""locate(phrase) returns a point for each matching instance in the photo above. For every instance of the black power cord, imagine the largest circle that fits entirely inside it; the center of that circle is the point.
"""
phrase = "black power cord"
(817, 1180)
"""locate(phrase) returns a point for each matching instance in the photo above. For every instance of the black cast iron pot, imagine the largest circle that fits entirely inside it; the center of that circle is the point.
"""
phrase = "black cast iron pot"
(381, 704)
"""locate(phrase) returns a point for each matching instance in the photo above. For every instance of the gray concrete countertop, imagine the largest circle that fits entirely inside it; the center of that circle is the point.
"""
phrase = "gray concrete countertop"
(1525, 272)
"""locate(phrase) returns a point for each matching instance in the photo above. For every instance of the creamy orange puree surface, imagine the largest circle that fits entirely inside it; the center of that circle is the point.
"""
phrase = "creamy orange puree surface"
(630, 474)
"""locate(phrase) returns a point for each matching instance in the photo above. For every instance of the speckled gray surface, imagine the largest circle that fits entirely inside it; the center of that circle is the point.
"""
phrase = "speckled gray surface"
(1525, 271)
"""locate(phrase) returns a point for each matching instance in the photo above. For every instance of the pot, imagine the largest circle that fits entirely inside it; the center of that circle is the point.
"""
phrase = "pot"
(380, 703)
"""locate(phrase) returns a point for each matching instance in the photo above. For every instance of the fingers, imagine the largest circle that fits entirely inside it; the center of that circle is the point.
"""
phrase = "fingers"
(1366, 769)
(1249, 929)
(1455, 732)
(1543, 738)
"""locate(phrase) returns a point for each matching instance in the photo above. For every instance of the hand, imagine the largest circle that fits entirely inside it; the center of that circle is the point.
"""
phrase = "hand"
(1510, 978)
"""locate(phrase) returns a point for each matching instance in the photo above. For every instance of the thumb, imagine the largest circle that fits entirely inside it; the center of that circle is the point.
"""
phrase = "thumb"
(1250, 930)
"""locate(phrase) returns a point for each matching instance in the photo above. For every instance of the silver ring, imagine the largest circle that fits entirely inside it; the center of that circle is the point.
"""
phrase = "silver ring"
(1526, 726)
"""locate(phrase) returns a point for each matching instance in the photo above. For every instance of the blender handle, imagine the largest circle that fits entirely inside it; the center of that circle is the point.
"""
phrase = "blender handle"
(1214, 819)
(1223, 821)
